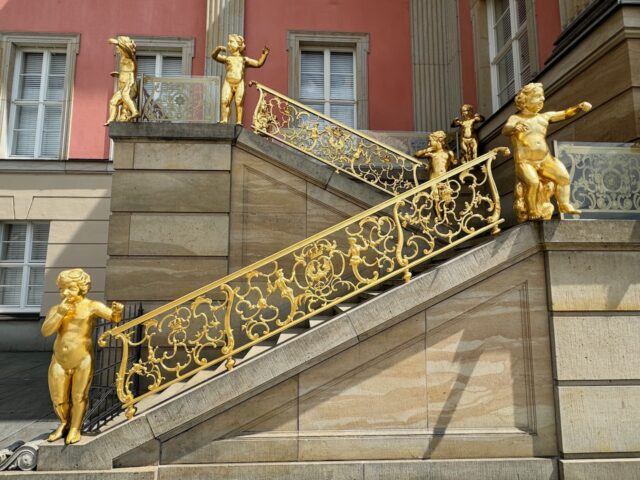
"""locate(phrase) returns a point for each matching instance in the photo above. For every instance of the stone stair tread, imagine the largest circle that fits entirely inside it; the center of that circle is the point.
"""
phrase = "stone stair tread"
(345, 307)
(291, 333)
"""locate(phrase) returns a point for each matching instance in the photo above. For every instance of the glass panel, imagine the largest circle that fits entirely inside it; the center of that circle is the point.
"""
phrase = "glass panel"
(525, 63)
(10, 282)
(40, 232)
(505, 70)
(342, 81)
(521, 6)
(30, 76)
(312, 75)
(500, 7)
(503, 31)
(39, 252)
(13, 242)
(51, 133)
(36, 276)
(55, 85)
(316, 106)
(146, 65)
(171, 66)
(34, 295)
(344, 114)
(24, 134)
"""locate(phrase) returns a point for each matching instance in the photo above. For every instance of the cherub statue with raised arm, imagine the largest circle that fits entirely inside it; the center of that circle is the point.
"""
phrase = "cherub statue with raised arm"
(441, 157)
(538, 173)
(235, 64)
(468, 138)
(71, 368)
(122, 106)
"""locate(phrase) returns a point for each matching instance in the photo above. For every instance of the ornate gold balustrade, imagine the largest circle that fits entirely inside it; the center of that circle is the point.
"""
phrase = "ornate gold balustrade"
(334, 143)
(217, 322)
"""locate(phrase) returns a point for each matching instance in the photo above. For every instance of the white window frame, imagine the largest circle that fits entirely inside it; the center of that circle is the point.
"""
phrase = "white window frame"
(12, 45)
(169, 46)
(26, 262)
(517, 32)
(356, 42)
(327, 101)
(41, 103)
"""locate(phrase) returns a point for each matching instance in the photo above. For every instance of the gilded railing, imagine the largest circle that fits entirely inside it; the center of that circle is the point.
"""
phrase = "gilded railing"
(180, 99)
(334, 143)
(216, 322)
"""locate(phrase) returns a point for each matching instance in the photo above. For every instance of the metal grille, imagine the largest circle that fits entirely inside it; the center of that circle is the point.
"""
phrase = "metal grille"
(103, 399)
(180, 99)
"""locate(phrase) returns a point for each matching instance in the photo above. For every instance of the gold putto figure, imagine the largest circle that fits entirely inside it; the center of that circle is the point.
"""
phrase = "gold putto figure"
(467, 124)
(441, 157)
(122, 106)
(235, 64)
(71, 368)
(539, 175)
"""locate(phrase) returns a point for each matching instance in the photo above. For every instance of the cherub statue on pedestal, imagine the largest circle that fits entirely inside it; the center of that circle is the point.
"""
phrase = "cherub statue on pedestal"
(235, 64)
(539, 175)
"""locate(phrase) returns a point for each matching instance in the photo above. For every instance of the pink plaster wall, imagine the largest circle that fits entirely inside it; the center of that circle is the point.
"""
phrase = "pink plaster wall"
(95, 21)
(389, 65)
(548, 27)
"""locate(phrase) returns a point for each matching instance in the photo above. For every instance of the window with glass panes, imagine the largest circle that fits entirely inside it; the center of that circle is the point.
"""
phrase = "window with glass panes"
(509, 48)
(159, 65)
(23, 252)
(327, 82)
(37, 104)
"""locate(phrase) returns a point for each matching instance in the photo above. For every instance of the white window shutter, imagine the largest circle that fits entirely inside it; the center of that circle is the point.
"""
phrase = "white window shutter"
(312, 75)
(171, 66)
(342, 79)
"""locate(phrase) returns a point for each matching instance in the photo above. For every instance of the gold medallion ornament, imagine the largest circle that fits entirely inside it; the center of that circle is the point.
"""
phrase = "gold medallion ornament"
(539, 175)
(235, 64)
(71, 368)
(122, 106)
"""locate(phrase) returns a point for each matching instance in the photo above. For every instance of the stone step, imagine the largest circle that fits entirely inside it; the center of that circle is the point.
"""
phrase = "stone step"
(476, 469)
(291, 333)
(345, 307)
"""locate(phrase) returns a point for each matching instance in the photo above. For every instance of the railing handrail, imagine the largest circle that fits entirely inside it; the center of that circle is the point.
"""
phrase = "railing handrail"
(324, 233)
(359, 133)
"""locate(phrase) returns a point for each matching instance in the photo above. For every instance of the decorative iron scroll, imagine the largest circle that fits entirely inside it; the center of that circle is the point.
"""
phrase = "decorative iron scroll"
(332, 142)
(180, 99)
(215, 323)
(605, 178)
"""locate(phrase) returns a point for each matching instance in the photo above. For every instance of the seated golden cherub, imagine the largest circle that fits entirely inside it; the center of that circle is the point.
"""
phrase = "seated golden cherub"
(539, 175)
(235, 64)
(71, 368)
(122, 106)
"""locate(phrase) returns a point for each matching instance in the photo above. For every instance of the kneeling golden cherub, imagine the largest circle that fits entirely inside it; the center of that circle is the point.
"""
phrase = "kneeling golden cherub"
(71, 365)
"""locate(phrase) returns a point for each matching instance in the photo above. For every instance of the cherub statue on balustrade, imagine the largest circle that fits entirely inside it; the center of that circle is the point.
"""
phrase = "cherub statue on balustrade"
(235, 64)
(467, 124)
(71, 368)
(441, 159)
(122, 106)
(539, 175)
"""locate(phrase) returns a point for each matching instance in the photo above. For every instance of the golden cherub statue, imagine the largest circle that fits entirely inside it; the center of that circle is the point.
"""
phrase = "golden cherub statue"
(235, 64)
(122, 106)
(468, 138)
(539, 175)
(441, 157)
(71, 368)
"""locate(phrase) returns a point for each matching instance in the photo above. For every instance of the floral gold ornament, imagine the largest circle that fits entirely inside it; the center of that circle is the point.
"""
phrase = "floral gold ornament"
(235, 64)
(71, 368)
(214, 324)
(122, 106)
(539, 175)
(347, 150)
(467, 124)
